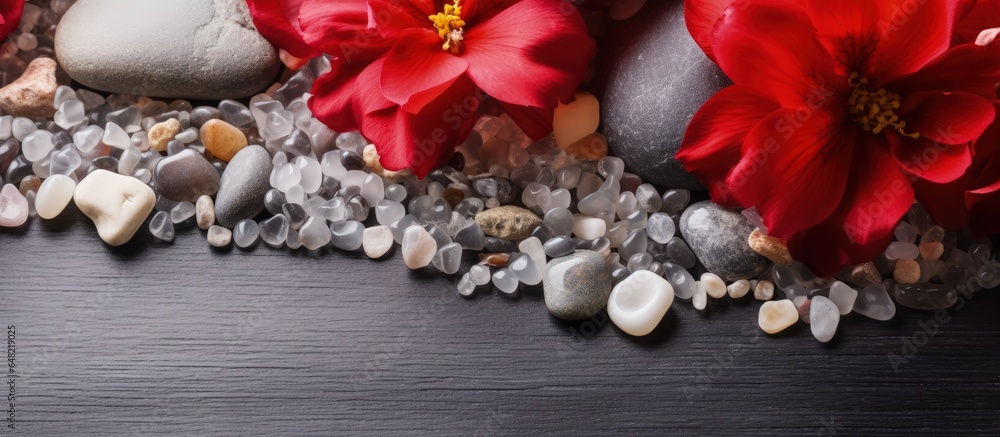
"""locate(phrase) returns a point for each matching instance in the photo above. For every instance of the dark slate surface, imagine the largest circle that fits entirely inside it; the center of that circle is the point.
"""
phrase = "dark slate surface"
(179, 339)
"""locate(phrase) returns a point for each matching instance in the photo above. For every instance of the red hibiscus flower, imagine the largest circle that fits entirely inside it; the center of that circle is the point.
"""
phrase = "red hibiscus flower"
(979, 15)
(409, 74)
(838, 106)
(10, 16)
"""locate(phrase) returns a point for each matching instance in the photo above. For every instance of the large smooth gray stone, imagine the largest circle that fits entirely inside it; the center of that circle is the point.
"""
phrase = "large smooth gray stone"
(718, 237)
(186, 176)
(577, 286)
(243, 185)
(652, 79)
(194, 49)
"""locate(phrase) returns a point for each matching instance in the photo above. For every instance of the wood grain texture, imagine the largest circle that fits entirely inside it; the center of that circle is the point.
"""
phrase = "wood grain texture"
(181, 339)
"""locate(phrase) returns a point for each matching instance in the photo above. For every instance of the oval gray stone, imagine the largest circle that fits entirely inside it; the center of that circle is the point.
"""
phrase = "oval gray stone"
(651, 81)
(718, 237)
(193, 49)
(243, 185)
(577, 286)
(186, 176)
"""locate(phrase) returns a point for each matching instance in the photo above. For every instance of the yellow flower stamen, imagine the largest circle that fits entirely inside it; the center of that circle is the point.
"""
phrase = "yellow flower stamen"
(875, 111)
(449, 25)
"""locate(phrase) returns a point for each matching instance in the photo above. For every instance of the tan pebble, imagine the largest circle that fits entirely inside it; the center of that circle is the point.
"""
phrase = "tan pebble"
(593, 147)
(222, 139)
(769, 247)
(508, 222)
(738, 289)
(577, 119)
(764, 290)
(803, 305)
(30, 183)
(714, 287)
(372, 161)
(776, 316)
(861, 275)
(162, 133)
(932, 251)
(495, 259)
(205, 212)
(907, 272)
(32, 94)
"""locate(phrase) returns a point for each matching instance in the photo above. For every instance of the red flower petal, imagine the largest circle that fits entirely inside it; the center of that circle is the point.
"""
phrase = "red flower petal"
(859, 230)
(936, 162)
(535, 122)
(794, 168)
(478, 11)
(945, 202)
(391, 16)
(333, 96)
(277, 20)
(966, 68)
(420, 142)
(985, 208)
(340, 29)
(417, 70)
(848, 31)
(912, 33)
(534, 53)
(984, 14)
(700, 17)
(770, 47)
(10, 17)
(714, 138)
(947, 118)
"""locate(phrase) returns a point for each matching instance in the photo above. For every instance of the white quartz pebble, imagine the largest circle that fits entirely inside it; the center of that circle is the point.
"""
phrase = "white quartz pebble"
(824, 316)
(479, 274)
(311, 174)
(900, 250)
(588, 228)
(161, 227)
(246, 233)
(713, 284)
(418, 247)
(314, 233)
(699, 299)
(660, 228)
(525, 269)
(115, 136)
(873, 301)
(53, 196)
(738, 289)
(117, 204)
(533, 247)
(37, 145)
(843, 296)
(777, 315)
(182, 211)
(377, 241)
(505, 281)
(638, 303)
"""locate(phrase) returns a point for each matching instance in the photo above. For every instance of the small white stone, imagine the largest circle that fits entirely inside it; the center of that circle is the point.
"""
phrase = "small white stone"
(824, 316)
(115, 136)
(764, 290)
(738, 289)
(533, 247)
(638, 303)
(314, 233)
(418, 247)
(713, 285)
(377, 241)
(777, 315)
(588, 228)
(700, 299)
(53, 196)
(843, 296)
(117, 204)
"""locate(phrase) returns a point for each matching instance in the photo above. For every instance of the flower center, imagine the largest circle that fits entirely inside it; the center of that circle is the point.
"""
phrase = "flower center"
(875, 111)
(449, 26)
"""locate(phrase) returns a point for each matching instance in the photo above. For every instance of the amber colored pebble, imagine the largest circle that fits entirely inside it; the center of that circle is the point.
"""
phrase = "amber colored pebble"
(495, 259)
(592, 147)
(453, 196)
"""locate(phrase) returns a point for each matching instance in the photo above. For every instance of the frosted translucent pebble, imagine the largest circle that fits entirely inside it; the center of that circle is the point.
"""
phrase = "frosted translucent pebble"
(53, 196)
(274, 231)
(143, 175)
(505, 281)
(465, 286)
(399, 228)
(27, 42)
(636, 242)
(700, 298)
(13, 207)
(588, 228)
(70, 114)
(30, 198)
(675, 201)
(314, 233)
(637, 220)
(874, 302)
(568, 177)
(65, 161)
(784, 276)
(293, 241)
(332, 165)
(277, 125)
(88, 138)
(129, 160)
(610, 166)
(535, 195)
(37, 145)
(764, 290)
(612, 185)
(738, 289)
(42, 166)
(589, 184)
(376, 241)
(559, 221)
(931, 250)
(713, 284)
(22, 127)
(776, 316)
(617, 233)
(161, 227)
(6, 123)
(648, 198)
(683, 283)
(899, 250)
(204, 210)
(638, 303)
(640, 261)
(334, 210)
(441, 238)
(246, 233)
(843, 296)
(533, 247)
(625, 205)
(471, 237)
(115, 136)
(905, 233)
(311, 174)
(373, 189)
(479, 274)
(397, 193)
(448, 259)
(353, 178)
(525, 269)
(182, 212)
(347, 235)
(660, 228)
(560, 198)
(63, 93)
(388, 212)
(418, 247)
(295, 195)
(285, 177)
(989, 275)
(824, 316)
(352, 141)
(313, 206)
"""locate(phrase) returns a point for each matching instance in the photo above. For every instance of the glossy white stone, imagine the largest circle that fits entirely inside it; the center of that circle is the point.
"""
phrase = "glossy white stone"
(117, 204)
(777, 315)
(418, 247)
(638, 303)
(713, 285)
(843, 296)
(53, 196)
(824, 316)
(738, 289)
(377, 241)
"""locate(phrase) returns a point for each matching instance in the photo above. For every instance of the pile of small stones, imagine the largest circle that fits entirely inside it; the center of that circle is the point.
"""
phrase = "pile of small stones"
(558, 212)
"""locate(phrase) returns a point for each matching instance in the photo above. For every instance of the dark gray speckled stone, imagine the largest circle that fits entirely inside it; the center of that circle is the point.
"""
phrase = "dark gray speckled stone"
(718, 237)
(577, 286)
(243, 185)
(652, 80)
